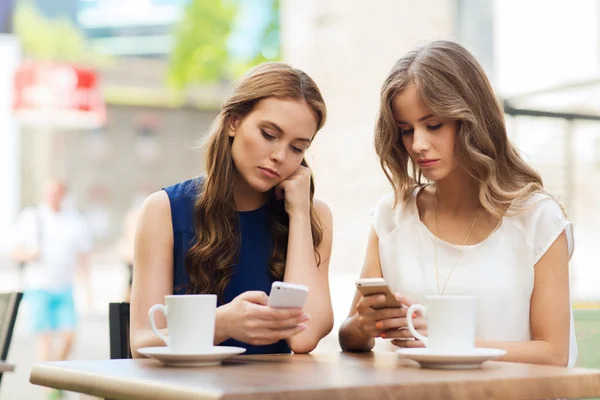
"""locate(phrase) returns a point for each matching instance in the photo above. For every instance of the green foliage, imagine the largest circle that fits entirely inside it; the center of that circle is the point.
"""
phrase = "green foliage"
(200, 52)
(587, 328)
(270, 48)
(48, 39)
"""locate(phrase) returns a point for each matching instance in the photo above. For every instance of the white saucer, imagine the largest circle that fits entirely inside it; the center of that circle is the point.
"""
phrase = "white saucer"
(205, 359)
(429, 358)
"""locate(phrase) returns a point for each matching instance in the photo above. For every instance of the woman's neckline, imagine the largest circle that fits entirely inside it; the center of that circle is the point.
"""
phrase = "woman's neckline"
(442, 241)
(246, 212)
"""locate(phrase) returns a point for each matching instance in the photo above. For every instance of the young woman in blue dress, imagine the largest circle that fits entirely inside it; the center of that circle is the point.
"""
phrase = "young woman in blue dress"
(250, 220)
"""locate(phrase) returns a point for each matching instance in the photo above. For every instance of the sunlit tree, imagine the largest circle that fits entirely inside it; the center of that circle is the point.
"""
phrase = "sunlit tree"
(204, 51)
(200, 51)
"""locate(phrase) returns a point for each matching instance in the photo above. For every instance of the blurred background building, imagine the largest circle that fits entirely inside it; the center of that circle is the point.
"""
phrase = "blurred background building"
(164, 66)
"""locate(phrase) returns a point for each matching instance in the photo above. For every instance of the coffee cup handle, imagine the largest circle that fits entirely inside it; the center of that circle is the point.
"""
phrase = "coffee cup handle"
(411, 326)
(162, 308)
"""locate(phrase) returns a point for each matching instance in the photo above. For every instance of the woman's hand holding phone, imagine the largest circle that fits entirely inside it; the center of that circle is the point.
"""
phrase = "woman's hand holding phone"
(249, 319)
(374, 320)
(381, 313)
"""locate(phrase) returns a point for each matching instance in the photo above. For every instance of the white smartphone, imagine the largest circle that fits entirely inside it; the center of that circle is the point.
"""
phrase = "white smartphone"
(371, 286)
(287, 295)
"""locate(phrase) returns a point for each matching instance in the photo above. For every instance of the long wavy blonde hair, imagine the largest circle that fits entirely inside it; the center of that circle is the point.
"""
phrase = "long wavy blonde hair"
(454, 86)
(211, 258)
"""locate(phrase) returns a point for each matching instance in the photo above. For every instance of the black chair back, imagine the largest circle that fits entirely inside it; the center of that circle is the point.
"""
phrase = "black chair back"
(9, 307)
(118, 316)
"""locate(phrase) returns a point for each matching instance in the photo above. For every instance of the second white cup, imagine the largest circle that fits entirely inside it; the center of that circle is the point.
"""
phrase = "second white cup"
(451, 322)
(190, 322)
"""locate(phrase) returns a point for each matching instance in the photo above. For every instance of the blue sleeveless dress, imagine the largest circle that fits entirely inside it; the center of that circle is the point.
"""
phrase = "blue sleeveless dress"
(252, 270)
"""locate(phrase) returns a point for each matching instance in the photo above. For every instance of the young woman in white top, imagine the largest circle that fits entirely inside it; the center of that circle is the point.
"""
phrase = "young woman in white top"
(467, 216)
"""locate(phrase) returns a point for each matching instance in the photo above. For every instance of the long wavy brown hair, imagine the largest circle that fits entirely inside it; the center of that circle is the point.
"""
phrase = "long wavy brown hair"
(454, 86)
(211, 258)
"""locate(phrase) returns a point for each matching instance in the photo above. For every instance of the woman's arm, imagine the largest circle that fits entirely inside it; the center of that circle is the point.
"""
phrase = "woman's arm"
(153, 273)
(301, 267)
(351, 335)
(549, 312)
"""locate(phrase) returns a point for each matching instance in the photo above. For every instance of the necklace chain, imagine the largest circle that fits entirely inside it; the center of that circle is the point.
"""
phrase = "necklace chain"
(437, 276)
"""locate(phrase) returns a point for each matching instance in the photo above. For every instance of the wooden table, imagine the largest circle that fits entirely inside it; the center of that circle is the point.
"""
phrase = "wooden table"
(318, 376)
(4, 367)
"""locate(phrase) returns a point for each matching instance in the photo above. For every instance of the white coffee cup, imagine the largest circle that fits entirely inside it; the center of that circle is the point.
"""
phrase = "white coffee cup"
(451, 322)
(190, 321)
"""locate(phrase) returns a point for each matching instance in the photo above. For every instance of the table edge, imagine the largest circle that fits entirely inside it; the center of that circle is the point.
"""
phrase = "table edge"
(98, 384)
(111, 387)
(6, 367)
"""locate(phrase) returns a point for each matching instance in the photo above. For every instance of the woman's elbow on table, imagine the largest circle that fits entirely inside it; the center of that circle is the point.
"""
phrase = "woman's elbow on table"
(559, 358)
(303, 346)
(561, 362)
(143, 338)
(133, 347)
(553, 353)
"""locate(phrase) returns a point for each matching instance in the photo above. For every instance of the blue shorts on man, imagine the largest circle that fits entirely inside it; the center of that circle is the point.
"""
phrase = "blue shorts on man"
(52, 311)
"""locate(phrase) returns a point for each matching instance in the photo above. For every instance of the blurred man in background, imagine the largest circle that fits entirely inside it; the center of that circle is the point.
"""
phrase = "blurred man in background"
(52, 243)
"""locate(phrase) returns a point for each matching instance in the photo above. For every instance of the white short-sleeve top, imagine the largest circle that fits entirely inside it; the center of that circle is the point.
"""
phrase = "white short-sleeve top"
(60, 237)
(499, 270)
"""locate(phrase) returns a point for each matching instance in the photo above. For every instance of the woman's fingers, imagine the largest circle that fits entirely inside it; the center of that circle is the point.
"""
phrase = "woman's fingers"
(287, 323)
(397, 323)
(265, 336)
(279, 334)
(366, 303)
(401, 333)
(389, 313)
(278, 314)
(407, 343)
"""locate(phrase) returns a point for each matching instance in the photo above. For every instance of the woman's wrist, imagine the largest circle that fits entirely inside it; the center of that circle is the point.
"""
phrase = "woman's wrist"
(301, 214)
(357, 327)
(222, 324)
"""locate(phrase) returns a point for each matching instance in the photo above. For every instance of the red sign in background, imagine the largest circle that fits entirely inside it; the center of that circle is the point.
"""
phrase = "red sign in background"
(58, 95)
